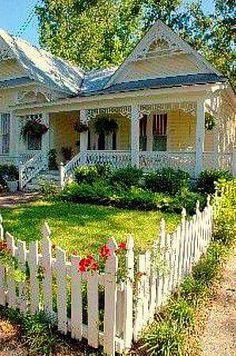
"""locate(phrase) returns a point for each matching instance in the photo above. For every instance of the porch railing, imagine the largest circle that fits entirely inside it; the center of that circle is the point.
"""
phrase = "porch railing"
(31, 168)
(116, 159)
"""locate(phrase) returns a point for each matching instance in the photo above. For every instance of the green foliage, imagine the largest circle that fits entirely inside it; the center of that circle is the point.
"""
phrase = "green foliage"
(86, 174)
(126, 177)
(101, 33)
(188, 200)
(167, 180)
(181, 312)
(208, 268)
(52, 160)
(104, 124)
(9, 172)
(193, 291)
(208, 178)
(39, 336)
(225, 216)
(164, 338)
(47, 187)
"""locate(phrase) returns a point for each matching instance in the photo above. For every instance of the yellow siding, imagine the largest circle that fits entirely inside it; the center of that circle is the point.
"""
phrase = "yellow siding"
(62, 131)
(123, 139)
(159, 67)
(209, 141)
(181, 128)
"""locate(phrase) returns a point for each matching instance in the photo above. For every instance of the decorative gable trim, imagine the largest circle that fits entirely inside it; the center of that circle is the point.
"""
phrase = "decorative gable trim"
(161, 41)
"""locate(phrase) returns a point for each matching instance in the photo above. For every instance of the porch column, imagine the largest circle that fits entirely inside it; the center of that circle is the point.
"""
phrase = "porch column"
(14, 137)
(200, 136)
(83, 137)
(135, 135)
(46, 137)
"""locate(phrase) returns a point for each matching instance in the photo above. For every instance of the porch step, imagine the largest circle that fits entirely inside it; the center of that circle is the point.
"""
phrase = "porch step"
(47, 176)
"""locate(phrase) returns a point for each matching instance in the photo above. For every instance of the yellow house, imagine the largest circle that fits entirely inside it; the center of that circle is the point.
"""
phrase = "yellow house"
(170, 107)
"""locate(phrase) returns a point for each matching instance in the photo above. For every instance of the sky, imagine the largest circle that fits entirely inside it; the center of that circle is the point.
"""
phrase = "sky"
(14, 13)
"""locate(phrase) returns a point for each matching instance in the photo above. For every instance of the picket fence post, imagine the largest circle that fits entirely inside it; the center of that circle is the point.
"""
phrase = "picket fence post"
(60, 268)
(33, 262)
(47, 269)
(11, 284)
(2, 270)
(128, 294)
(76, 300)
(22, 285)
(111, 269)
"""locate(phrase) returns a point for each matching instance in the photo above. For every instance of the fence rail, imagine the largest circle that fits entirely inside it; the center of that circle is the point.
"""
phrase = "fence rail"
(95, 305)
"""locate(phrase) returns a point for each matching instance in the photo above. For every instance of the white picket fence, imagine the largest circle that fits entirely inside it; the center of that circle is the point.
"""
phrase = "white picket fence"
(127, 306)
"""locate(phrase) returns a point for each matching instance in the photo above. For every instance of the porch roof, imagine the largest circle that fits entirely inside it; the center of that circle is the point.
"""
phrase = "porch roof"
(99, 83)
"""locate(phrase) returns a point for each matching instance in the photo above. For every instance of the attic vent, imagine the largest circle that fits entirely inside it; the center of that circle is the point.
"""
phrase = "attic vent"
(158, 44)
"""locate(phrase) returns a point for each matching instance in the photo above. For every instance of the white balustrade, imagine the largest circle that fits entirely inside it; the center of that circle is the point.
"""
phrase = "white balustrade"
(115, 159)
(179, 160)
(31, 168)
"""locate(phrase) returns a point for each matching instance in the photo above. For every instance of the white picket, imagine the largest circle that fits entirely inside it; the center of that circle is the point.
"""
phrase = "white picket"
(110, 300)
(60, 268)
(22, 303)
(124, 319)
(140, 295)
(46, 263)
(76, 300)
(128, 294)
(11, 284)
(93, 313)
(161, 272)
(2, 270)
(34, 282)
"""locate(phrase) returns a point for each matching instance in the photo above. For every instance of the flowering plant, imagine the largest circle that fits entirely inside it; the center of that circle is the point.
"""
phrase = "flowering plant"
(35, 128)
(97, 263)
(10, 263)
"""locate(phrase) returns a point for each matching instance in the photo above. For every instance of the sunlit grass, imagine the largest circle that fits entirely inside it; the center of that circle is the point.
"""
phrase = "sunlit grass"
(83, 227)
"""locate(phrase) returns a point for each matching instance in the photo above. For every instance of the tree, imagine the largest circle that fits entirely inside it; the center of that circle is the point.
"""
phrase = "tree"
(96, 33)
(101, 33)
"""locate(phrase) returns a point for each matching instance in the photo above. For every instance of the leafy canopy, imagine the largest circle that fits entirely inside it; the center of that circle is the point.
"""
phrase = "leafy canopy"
(101, 33)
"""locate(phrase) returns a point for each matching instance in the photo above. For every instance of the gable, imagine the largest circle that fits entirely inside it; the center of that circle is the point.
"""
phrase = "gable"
(161, 53)
(10, 69)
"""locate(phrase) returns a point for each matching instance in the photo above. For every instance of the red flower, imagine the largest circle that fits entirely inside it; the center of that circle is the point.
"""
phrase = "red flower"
(94, 266)
(3, 245)
(105, 251)
(83, 264)
(122, 246)
(90, 260)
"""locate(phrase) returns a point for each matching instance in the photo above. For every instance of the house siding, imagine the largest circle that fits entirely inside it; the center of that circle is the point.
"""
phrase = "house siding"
(62, 132)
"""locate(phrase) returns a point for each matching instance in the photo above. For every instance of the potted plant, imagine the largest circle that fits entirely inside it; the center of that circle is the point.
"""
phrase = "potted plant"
(210, 121)
(67, 153)
(34, 128)
(11, 177)
(80, 127)
(104, 124)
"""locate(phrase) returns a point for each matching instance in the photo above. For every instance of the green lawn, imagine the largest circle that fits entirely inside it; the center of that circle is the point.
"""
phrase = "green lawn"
(83, 227)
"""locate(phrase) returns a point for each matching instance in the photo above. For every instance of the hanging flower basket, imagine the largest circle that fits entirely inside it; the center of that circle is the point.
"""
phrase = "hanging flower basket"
(34, 128)
(80, 127)
(104, 124)
(210, 121)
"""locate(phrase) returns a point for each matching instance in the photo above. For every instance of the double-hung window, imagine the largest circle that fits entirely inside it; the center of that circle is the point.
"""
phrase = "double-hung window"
(159, 132)
(4, 133)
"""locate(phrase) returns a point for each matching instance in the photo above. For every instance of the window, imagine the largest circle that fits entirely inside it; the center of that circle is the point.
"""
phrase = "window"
(34, 143)
(143, 133)
(159, 132)
(4, 133)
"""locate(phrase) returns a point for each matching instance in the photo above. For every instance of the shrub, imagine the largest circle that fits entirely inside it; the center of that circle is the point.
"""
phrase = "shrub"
(193, 291)
(86, 174)
(181, 312)
(208, 178)
(167, 180)
(207, 269)
(7, 172)
(188, 200)
(126, 177)
(164, 338)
